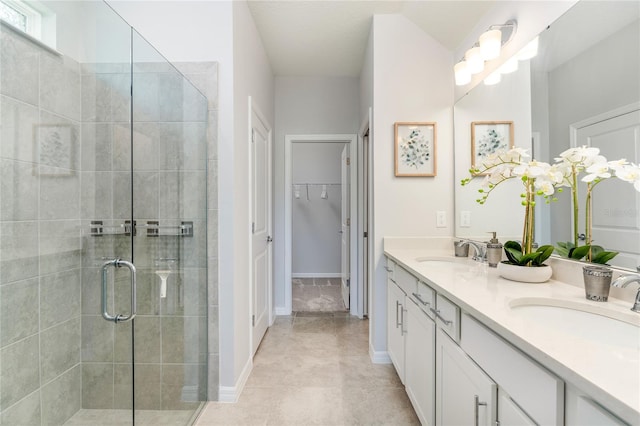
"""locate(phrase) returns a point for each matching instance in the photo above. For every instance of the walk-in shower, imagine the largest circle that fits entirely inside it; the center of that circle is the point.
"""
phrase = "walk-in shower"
(103, 226)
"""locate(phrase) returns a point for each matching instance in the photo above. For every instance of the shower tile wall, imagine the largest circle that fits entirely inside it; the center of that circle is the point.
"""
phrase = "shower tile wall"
(64, 160)
(40, 247)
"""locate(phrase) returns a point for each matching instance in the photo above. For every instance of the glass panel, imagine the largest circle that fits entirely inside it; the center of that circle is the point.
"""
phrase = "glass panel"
(65, 137)
(169, 185)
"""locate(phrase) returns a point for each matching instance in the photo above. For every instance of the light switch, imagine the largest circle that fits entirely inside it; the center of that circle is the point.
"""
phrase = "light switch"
(441, 219)
(465, 219)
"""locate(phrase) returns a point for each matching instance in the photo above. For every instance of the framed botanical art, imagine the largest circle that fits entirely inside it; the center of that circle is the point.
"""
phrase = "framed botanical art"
(415, 149)
(488, 137)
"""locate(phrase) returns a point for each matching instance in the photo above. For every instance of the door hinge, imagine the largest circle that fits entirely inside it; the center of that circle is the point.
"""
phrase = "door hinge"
(253, 320)
(253, 135)
(349, 282)
(365, 235)
(348, 161)
(253, 227)
(348, 221)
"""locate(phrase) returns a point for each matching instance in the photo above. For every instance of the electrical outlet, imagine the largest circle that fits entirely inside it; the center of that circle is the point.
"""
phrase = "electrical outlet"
(465, 219)
(441, 219)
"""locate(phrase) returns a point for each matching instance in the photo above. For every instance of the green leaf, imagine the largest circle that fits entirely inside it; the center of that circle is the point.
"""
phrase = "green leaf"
(513, 250)
(545, 252)
(596, 250)
(604, 257)
(531, 257)
(578, 253)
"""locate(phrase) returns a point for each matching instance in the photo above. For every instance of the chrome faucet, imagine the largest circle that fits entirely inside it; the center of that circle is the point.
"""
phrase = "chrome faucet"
(480, 249)
(623, 281)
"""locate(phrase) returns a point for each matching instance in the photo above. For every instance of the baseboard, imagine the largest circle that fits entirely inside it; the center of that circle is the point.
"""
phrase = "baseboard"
(232, 393)
(282, 312)
(316, 275)
(379, 357)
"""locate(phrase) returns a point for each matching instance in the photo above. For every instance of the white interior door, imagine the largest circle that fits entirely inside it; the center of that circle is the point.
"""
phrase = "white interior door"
(616, 222)
(345, 225)
(260, 227)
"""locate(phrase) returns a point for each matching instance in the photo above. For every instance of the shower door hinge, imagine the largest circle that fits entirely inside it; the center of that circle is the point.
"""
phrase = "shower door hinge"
(348, 161)
(253, 320)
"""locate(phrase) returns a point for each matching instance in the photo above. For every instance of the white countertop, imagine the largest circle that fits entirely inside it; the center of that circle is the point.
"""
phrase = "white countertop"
(609, 374)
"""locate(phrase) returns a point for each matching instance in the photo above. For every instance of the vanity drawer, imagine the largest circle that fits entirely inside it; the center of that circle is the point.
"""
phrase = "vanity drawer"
(425, 298)
(407, 282)
(538, 392)
(390, 267)
(447, 316)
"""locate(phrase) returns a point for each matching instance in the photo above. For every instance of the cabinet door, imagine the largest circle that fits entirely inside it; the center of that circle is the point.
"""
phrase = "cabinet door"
(509, 414)
(395, 327)
(465, 395)
(420, 347)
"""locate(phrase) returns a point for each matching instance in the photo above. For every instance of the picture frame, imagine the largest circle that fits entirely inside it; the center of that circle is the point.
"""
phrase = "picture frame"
(488, 137)
(415, 149)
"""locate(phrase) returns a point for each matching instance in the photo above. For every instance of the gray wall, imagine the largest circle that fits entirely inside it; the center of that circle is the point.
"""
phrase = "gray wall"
(598, 80)
(311, 105)
(316, 243)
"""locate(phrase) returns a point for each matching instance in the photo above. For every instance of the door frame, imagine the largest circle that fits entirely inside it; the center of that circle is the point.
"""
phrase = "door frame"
(289, 140)
(365, 245)
(254, 109)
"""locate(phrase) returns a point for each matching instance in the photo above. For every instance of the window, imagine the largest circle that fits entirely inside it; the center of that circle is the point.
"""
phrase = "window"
(22, 16)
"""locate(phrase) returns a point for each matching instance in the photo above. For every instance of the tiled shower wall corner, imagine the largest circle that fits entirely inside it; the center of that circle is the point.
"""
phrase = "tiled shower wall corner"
(204, 76)
(56, 353)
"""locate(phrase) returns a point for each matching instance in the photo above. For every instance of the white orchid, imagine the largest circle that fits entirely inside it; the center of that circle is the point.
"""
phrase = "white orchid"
(629, 173)
(597, 171)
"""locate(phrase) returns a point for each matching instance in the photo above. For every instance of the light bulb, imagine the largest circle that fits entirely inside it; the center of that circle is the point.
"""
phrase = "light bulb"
(474, 60)
(462, 74)
(490, 43)
(529, 51)
(510, 66)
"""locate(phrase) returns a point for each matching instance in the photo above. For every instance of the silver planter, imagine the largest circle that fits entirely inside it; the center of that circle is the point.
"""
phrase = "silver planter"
(597, 282)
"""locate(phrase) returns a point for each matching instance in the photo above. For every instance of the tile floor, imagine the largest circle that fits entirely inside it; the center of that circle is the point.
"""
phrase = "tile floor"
(317, 295)
(314, 369)
(91, 417)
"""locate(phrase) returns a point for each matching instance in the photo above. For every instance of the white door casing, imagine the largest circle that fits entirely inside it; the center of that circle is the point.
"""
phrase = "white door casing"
(616, 204)
(261, 270)
(349, 139)
(344, 225)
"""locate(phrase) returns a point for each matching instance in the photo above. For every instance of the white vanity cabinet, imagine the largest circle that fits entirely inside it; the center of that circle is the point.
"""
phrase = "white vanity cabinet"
(465, 395)
(581, 410)
(420, 341)
(399, 284)
(395, 326)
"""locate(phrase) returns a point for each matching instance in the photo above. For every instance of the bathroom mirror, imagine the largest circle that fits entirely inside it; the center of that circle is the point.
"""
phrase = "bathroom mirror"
(581, 89)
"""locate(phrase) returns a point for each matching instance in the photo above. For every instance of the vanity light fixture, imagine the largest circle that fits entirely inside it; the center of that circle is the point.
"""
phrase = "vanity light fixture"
(462, 74)
(487, 48)
(474, 60)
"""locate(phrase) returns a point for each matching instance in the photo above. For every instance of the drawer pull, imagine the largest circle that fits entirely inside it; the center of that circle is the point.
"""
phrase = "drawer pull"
(443, 319)
(397, 320)
(417, 296)
(476, 409)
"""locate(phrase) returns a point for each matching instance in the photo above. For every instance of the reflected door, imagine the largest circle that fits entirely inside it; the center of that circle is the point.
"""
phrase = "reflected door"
(616, 204)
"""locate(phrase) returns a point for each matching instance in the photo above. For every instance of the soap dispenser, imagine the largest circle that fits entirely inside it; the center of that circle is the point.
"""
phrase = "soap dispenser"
(494, 251)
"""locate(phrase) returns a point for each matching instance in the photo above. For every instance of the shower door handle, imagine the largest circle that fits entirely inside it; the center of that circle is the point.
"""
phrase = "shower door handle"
(118, 263)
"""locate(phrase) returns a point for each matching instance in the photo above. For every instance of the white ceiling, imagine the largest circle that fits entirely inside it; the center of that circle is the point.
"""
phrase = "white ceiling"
(328, 37)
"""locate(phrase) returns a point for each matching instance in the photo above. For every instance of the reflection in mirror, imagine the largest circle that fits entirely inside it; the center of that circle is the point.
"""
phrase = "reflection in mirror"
(581, 89)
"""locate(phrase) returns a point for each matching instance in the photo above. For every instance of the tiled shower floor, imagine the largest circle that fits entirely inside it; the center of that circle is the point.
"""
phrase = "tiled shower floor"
(86, 417)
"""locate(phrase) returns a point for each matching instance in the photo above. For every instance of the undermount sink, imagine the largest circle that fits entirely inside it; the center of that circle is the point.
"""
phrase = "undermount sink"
(598, 324)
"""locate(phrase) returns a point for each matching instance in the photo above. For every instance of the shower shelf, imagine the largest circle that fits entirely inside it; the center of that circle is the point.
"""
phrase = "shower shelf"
(154, 229)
